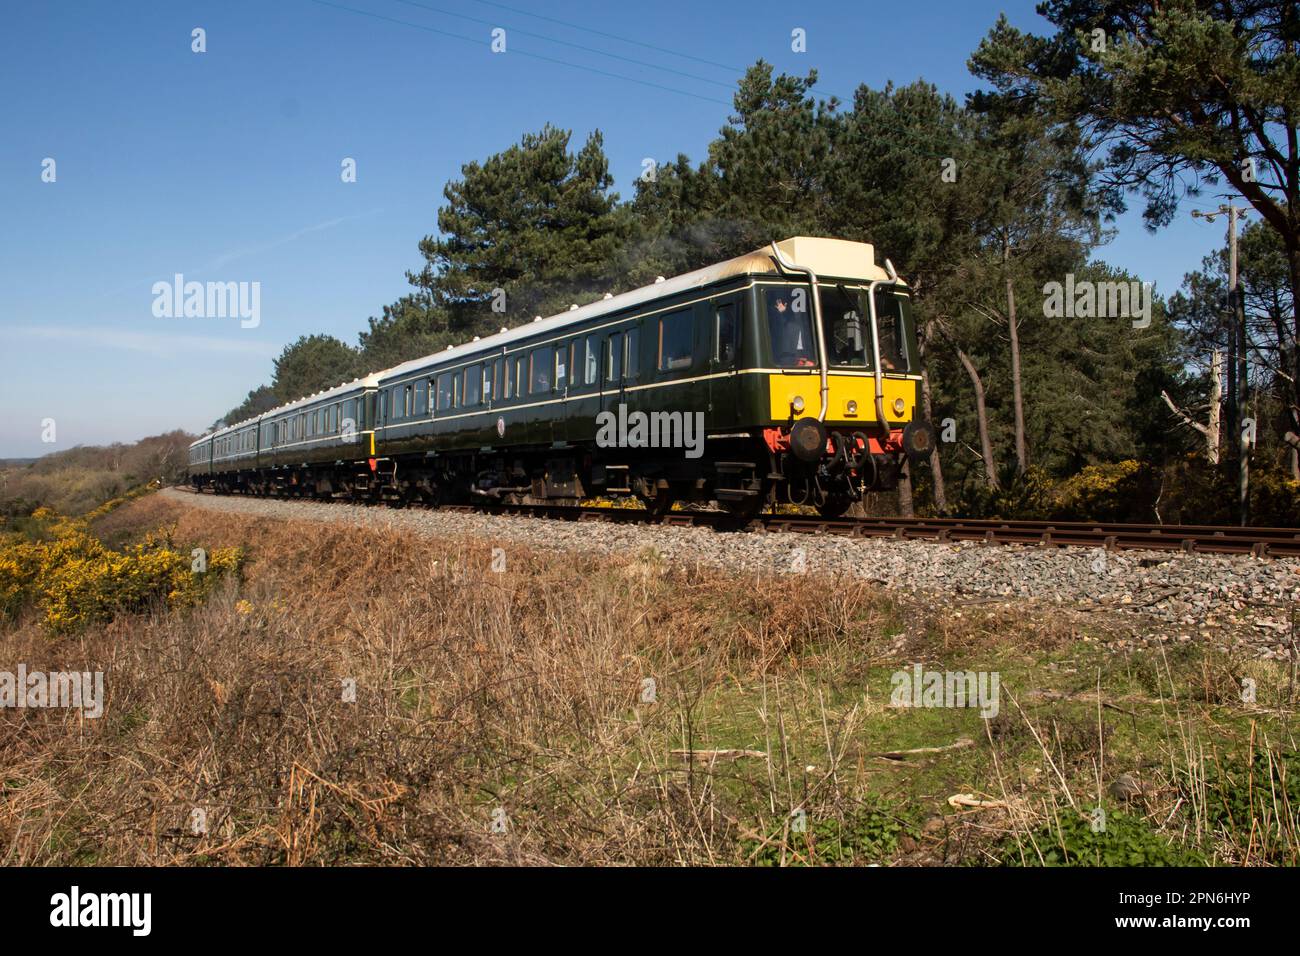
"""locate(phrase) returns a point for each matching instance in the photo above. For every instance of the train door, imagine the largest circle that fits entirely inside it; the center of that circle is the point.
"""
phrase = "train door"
(724, 359)
(369, 419)
(579, 399)
(631, 366)
(615, 385)
(560, 408)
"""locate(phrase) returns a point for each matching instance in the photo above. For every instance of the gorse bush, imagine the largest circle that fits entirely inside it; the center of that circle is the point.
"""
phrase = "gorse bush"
(1190, 492)
(1112, 492)
(74, 580)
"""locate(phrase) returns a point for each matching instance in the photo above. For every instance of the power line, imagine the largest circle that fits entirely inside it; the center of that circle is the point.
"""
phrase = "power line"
(623, 39)
(611, 36)
(577, 46)
(641, 43)
(536, 56)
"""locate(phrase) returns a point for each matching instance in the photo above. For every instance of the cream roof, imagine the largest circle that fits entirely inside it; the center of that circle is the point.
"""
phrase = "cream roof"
(338, 391)
(835, 258)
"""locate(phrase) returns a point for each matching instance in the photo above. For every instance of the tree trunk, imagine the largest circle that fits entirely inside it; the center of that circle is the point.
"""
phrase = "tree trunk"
(905, 490)
(1216, 410)
(1243, 397)
(1232, 418)
(1017, 399)
(936, 468)
(982, 415)
(1293, 425)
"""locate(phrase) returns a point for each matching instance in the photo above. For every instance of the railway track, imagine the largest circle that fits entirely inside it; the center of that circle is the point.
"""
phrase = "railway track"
(1196, 539)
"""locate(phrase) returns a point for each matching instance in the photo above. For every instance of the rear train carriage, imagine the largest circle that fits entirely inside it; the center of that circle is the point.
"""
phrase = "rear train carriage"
(200, 469)
(789, 374)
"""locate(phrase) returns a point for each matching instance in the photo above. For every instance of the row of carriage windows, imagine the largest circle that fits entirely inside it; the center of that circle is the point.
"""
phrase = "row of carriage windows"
(228, 445)
(339, 418)
(578, 363)
(540, 371)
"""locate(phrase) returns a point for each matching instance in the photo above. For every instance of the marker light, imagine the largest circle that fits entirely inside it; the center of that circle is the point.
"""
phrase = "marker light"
(797, 404)
(851, 406)
(899, 405)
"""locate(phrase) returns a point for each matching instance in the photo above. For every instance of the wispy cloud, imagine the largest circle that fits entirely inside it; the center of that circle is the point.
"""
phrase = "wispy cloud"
(244, 252)
(260, 248)
(151, 343)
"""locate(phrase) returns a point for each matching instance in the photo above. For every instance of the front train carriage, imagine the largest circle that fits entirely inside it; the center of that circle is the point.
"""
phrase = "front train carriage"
(843, 376)
(786, 375)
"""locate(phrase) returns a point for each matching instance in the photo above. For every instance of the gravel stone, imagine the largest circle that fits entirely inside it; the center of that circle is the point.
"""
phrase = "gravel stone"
(1194, 596)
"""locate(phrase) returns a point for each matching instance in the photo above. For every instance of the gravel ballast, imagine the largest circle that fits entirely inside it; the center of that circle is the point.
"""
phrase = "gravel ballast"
(1245, 600)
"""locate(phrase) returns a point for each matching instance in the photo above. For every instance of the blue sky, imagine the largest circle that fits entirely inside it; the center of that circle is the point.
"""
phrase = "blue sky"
(225, 165)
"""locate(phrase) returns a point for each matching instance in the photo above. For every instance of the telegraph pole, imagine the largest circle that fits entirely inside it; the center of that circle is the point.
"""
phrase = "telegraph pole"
(1238, 373)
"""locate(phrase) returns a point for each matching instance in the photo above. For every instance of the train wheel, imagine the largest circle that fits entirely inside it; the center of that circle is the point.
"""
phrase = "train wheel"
(744, 510)
(658, 504)
(834, 506)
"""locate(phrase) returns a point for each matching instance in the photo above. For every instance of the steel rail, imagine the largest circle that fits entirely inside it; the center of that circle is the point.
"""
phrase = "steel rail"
(1108, 535)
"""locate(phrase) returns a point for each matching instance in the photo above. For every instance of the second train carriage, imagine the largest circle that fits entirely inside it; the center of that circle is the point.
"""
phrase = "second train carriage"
(798, 362)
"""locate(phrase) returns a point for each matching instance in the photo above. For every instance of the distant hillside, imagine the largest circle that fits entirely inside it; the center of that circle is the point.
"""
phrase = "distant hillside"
(74, 481)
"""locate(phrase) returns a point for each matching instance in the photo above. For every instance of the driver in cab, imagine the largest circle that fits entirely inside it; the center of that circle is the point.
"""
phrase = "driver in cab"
(791, 340)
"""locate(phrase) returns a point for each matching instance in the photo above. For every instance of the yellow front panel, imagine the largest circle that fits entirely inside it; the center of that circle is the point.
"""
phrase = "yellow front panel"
(843, 389)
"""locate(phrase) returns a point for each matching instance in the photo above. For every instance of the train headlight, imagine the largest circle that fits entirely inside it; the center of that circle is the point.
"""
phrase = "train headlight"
(797, 404)
(899, 405)
(851, 407)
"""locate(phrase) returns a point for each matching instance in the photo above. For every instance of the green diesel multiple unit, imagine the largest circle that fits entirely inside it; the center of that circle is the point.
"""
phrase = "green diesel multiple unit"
(789, 374)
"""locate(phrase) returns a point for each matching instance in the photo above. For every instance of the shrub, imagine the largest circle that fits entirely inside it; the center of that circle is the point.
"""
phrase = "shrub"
(1112, 492)
(75, 580)
(1274, 499)
(866, 833)
(1126, 840)
(1257, 802)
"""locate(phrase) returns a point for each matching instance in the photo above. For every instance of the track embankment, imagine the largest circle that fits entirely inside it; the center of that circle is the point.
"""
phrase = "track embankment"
(1181, 596)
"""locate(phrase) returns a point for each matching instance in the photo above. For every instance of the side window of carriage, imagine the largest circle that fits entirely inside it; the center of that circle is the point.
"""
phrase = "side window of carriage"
(444, 392)
(632, 363)
(614, 360)
(726, 335)
(591, 362)
(676, 344)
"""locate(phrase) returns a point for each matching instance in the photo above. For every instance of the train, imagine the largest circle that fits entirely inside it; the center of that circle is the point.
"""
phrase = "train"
(789, 375)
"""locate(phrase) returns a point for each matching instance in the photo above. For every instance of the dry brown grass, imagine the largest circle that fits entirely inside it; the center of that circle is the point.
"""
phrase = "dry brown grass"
(499, 716)
(474, 691)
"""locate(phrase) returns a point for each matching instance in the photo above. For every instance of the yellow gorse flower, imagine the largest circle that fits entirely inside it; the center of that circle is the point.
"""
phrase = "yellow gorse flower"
(75, 580)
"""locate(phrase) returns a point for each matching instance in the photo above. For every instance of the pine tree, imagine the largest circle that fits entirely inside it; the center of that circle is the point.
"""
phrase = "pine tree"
(526, 232)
